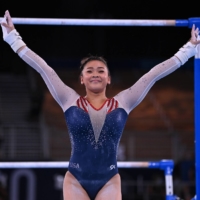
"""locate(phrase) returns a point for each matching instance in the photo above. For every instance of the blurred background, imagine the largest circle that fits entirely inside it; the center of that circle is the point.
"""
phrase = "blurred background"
(32, 125)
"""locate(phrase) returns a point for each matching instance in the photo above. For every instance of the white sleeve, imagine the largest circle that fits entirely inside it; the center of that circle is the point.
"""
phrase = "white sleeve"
(131, 97)
(63, 94)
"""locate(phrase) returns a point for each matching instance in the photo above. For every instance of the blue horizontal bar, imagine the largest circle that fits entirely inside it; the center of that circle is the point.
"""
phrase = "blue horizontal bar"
(182, 22)
(188, 23)
(195, 21)
(163, 164)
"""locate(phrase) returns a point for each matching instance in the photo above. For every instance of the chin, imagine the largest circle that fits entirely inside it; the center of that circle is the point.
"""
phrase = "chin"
(96, 90)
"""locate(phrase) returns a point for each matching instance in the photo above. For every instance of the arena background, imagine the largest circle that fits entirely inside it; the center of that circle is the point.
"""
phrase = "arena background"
(32, 126)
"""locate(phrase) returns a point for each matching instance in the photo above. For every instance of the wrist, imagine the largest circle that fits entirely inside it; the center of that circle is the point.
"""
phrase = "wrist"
(14, 40)
(11, 29)
(186, 52)
(190, 43)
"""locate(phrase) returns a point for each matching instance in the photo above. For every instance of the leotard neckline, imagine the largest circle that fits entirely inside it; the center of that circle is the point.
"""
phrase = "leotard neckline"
(93, 106)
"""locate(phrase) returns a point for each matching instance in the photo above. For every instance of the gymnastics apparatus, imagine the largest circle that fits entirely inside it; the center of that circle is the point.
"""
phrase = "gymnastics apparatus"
(165, 165)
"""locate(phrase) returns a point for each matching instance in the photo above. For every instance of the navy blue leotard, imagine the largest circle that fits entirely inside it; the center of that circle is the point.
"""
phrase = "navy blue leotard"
(91, 162)
(95, 134)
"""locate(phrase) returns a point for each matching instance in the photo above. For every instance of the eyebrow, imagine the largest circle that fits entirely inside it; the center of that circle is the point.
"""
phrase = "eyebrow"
(92, 67)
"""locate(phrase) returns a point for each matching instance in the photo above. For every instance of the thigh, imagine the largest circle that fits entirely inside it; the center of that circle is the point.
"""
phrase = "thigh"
(72, 190)
(111, 190)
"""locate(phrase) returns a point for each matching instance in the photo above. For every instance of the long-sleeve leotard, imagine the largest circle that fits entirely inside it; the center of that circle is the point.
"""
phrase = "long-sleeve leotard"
(95, 133)
(63, 94)
(128, 99)
(132, 96)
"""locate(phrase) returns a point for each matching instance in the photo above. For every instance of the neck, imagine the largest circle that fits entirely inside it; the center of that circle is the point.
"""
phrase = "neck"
(96, 97)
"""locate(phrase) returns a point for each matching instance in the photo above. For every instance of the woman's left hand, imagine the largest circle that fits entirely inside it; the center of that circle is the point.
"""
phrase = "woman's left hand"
(195, 37)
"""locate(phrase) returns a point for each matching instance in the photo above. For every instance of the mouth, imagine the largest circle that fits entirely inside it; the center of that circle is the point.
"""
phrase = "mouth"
(95, 81)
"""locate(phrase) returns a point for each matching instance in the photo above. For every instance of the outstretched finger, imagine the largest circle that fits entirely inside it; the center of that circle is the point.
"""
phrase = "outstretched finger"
(8, 17)
(193, 30)
(193, 27)
(197, 32)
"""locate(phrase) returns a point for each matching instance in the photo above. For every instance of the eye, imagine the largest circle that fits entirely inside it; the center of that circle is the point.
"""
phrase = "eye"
(101, 71)
(89, 71)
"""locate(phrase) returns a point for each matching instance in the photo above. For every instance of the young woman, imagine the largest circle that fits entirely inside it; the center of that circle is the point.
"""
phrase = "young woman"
(95, 123)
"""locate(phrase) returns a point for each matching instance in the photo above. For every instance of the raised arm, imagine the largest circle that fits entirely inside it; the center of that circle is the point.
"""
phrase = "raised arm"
(63, 94)
(132, 96)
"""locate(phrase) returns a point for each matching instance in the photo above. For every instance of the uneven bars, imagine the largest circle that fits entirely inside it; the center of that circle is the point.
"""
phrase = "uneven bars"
(61, 164)
(98, 22)
(161, 164)
(107, 22)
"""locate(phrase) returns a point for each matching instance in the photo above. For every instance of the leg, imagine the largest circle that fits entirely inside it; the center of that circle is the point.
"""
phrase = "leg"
(111, 190)
(72, 190)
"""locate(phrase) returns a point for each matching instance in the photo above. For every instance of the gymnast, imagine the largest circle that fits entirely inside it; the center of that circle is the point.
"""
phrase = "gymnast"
(95, 123)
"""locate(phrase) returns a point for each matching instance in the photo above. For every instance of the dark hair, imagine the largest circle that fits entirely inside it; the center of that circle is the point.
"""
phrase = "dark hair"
(85, 60)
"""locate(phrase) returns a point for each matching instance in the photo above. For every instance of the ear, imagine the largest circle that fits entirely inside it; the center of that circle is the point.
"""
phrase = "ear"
(81, 78)
(109, 80)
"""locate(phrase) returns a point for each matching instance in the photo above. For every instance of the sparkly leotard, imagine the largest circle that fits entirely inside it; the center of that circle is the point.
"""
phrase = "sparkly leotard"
(95, 134)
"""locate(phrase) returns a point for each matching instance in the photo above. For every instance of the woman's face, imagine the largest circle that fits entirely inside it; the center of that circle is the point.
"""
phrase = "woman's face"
(95, 76)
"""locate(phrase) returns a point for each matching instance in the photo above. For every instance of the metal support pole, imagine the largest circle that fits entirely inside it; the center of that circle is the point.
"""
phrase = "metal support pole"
(197, 124)
(196, 21)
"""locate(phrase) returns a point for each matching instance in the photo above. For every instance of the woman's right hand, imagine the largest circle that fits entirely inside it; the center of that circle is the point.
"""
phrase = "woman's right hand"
(10, 35)
(7, 24)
